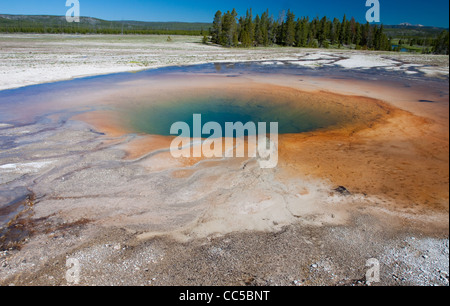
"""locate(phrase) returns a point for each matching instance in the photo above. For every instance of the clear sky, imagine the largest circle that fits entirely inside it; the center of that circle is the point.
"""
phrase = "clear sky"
(426, 12)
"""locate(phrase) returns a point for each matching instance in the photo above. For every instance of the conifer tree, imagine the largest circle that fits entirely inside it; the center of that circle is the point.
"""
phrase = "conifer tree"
(335, 32)
(289, 30)
(264, 31)
(216, 29)
(265, 28)
(258, 31)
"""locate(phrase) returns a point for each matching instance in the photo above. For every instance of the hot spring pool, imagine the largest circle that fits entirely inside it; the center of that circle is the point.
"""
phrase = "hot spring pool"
(149, 102)
(294, 111)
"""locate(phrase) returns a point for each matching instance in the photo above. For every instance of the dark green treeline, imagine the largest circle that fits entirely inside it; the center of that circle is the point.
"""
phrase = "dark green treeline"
(232, 31)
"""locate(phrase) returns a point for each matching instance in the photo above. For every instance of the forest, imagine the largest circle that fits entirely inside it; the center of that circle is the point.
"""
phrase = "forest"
(42, 24)
(229, 30)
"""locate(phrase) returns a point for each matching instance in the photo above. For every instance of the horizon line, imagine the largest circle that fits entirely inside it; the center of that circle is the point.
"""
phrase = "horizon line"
(119, 20)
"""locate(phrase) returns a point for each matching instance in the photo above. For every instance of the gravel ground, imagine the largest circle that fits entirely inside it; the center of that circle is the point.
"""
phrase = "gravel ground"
(295, 256)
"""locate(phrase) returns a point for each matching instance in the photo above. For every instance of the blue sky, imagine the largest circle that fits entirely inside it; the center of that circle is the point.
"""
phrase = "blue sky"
(426, 12)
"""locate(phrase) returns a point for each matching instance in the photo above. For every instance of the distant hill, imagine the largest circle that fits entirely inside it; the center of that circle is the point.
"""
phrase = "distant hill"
(404, 30)
(58, 24)
(90, 25)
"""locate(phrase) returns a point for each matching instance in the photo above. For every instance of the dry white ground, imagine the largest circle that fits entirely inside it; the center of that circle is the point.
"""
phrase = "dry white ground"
(33, 59)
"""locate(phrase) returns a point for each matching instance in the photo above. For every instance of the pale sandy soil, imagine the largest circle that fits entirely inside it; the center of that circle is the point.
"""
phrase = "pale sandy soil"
(33, 59)
(133, 215)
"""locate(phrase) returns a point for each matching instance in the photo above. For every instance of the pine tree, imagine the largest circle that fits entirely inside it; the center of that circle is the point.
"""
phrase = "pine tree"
(323, 31)
(247, 30)
(348, 33)
(298, 33)
(216, 29)
(352, 31)
(243, 34)
(226, 36)
(258, 31)
(289, 30)
(335, 31)
(264, 31)
(441, 43)
(234, 28)
(250, 27)
(342, 31)
(265, 28)
(358, 36)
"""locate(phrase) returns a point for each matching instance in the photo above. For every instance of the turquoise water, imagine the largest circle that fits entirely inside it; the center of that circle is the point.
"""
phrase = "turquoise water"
(157, 119)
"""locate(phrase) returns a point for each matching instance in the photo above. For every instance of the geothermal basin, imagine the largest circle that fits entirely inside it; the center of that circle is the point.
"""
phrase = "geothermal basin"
(92, 156)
